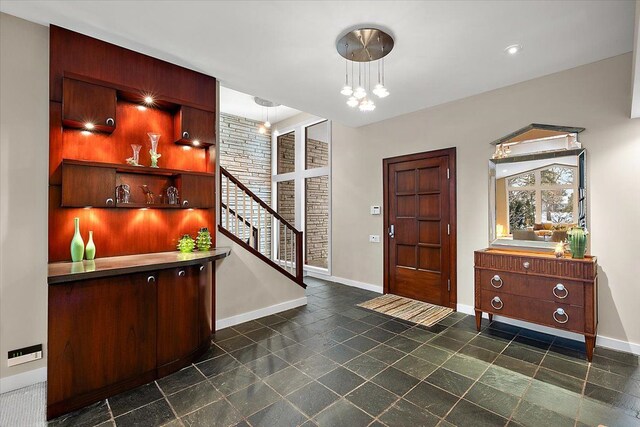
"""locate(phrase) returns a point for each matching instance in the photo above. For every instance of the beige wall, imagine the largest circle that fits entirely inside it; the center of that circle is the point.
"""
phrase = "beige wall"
(595, 96)
(24, 157)
(244, 283)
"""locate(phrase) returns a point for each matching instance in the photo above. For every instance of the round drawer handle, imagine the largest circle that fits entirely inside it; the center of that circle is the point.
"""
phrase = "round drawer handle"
(560, 288)
(526, 265)
(185, 203)
(201, 267)
(495, 301)
(110, 121)
(181, 273)
(109, 201)
(496, 281)
(560, 312)
(185, 135)
(151, 279)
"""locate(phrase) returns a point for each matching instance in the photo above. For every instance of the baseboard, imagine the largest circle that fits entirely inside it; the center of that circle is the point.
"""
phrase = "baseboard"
(24, 379)
(256, 314)
(348, 282)
(601, 341)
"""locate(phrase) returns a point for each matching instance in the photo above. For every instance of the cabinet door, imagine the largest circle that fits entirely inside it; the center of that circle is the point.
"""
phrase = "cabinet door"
(205, 303)
(177, 313)
(85, 103)
(196, 191)
(195, 127)
(84, 186)
(101, 332)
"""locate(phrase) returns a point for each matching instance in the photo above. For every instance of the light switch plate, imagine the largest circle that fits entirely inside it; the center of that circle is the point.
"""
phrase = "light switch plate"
(375, 210)
(374, 238)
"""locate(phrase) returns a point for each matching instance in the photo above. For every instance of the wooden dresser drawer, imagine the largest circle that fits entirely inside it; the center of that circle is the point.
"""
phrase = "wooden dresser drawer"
(533, 310)
(547, 289)
(497, 261)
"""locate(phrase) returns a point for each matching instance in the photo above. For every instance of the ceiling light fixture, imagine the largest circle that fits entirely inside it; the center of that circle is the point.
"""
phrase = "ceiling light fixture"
(513, 49)
(364, 46)
(265, 104)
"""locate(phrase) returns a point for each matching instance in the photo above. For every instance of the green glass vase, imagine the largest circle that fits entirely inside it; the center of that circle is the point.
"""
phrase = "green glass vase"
(577, 242)
(77, 244)
(90, 250)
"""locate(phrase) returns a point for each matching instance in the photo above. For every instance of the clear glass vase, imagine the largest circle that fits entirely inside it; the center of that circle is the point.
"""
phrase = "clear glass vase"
(154, 137)
(135, 159)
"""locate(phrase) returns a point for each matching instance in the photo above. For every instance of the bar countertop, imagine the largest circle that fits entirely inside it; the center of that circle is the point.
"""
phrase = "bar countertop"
(62, 272)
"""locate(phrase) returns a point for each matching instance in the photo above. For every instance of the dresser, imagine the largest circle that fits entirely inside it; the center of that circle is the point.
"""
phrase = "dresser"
(560, 293)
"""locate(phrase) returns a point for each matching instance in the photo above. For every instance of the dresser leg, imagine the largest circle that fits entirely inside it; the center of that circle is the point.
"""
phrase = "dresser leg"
(590, 343)
(478, 319)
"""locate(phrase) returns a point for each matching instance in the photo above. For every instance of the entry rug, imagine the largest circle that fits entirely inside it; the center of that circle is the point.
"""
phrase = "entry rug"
(419, 312)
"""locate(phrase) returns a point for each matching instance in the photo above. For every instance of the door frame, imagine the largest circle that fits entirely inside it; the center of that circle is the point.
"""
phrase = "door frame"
(453, 253)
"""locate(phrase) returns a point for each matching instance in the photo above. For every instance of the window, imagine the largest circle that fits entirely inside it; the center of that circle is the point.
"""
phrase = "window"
(301, 178)
(545, 195)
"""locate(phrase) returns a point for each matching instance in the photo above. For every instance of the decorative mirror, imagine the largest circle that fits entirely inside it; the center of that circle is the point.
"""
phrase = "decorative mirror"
(537, 187)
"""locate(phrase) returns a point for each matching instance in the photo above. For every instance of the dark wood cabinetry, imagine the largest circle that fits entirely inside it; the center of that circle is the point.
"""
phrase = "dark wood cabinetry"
(196, 191)
(559, 293)
(84, 186)
(109, 334)
(194, 127)
(88, 106)
(102, 339)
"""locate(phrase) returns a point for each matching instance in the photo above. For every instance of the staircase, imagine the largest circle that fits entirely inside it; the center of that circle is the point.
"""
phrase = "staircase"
(250, 222)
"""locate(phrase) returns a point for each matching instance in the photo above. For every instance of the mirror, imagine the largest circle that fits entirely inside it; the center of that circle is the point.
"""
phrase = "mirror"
(537, 188)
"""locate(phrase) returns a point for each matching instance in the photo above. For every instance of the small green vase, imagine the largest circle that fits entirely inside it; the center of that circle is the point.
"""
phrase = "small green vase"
(90, 250)
(77, 244)
(203, 239)
(577, 242)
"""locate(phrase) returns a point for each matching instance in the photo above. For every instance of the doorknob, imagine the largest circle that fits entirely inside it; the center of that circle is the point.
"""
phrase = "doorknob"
(392, 231)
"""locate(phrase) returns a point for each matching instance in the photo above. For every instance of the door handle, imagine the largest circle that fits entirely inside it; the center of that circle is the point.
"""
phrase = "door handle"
(392, 231)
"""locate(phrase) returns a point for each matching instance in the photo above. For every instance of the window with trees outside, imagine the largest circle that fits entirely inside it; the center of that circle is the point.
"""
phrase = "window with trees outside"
(545, 195)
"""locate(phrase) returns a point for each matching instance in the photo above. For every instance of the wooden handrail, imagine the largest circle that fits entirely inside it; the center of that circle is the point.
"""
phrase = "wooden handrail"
(256, 198)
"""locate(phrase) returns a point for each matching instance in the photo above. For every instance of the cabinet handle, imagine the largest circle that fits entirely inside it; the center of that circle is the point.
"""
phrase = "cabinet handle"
(185, 135)
(181, 273)
(151, 279)
(110, 121)
(560, 312)
(185, 203)
(560, 288)
(496, 281)
(526, 265)
(201, 267)
(495, 301)
(109, 201)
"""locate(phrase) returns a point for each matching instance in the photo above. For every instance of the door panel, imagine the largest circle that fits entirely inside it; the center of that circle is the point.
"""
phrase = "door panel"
(419, 257)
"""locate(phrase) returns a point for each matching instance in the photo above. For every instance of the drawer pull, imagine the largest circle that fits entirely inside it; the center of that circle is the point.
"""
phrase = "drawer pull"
(201, 267)
(560, 288)
(151, 279)
(526, 265)
(496, 281)
(560, 312)
(109, 202)
(495, 301)
(181, 273)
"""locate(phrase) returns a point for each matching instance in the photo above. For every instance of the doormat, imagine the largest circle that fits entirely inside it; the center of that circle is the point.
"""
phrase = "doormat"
(418, 312)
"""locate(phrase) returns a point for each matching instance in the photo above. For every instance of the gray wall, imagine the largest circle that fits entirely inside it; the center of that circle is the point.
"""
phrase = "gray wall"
(595, 96)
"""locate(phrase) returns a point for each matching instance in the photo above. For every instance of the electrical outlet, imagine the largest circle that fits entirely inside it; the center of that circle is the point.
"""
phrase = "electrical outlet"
(374, 238)
(24, 355)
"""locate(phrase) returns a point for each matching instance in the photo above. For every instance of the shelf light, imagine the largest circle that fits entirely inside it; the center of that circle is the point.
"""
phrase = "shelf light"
(89, 126)
(196, 143)
(148, 100)
(141, 108)
(85, 132)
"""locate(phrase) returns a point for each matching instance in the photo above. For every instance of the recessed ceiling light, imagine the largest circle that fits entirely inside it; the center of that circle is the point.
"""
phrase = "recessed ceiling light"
(148, 100)
(513, 49)
(89, 125)
(196, 143)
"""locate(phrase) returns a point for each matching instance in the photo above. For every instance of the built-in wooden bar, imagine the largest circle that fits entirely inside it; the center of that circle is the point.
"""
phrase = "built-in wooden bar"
(63, 272)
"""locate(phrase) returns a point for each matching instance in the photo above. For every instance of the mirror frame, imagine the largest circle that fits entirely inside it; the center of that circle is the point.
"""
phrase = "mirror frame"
(532, 245)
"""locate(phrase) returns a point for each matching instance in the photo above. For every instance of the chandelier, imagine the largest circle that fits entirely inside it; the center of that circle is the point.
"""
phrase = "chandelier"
(360, 48)
(266, 104)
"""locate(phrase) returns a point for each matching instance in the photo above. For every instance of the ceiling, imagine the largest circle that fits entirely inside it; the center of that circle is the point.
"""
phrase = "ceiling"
(285, 51)
(242, 105)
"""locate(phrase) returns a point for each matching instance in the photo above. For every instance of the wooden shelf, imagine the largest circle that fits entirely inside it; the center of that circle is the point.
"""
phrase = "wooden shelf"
(144, 170)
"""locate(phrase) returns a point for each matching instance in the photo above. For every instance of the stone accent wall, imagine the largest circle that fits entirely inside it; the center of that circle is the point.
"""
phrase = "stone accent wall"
(286, 153)
(317, 209)
(246, 154)
(286, 207)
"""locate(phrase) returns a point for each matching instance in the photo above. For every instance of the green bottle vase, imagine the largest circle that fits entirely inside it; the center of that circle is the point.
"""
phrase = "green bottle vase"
(90, 251)
(77, 244)
(577, 242)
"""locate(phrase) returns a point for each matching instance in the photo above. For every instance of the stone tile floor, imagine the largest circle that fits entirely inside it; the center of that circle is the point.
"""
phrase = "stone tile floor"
(333, 364)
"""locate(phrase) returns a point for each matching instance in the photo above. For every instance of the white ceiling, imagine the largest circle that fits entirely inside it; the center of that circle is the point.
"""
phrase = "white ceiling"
(285, 51)
(243, 105)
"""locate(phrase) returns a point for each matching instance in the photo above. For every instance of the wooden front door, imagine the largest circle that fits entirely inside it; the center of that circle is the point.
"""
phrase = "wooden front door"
(420, 213)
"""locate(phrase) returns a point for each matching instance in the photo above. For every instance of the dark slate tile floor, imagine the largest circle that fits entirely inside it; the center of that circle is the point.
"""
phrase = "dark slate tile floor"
(333, 364)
